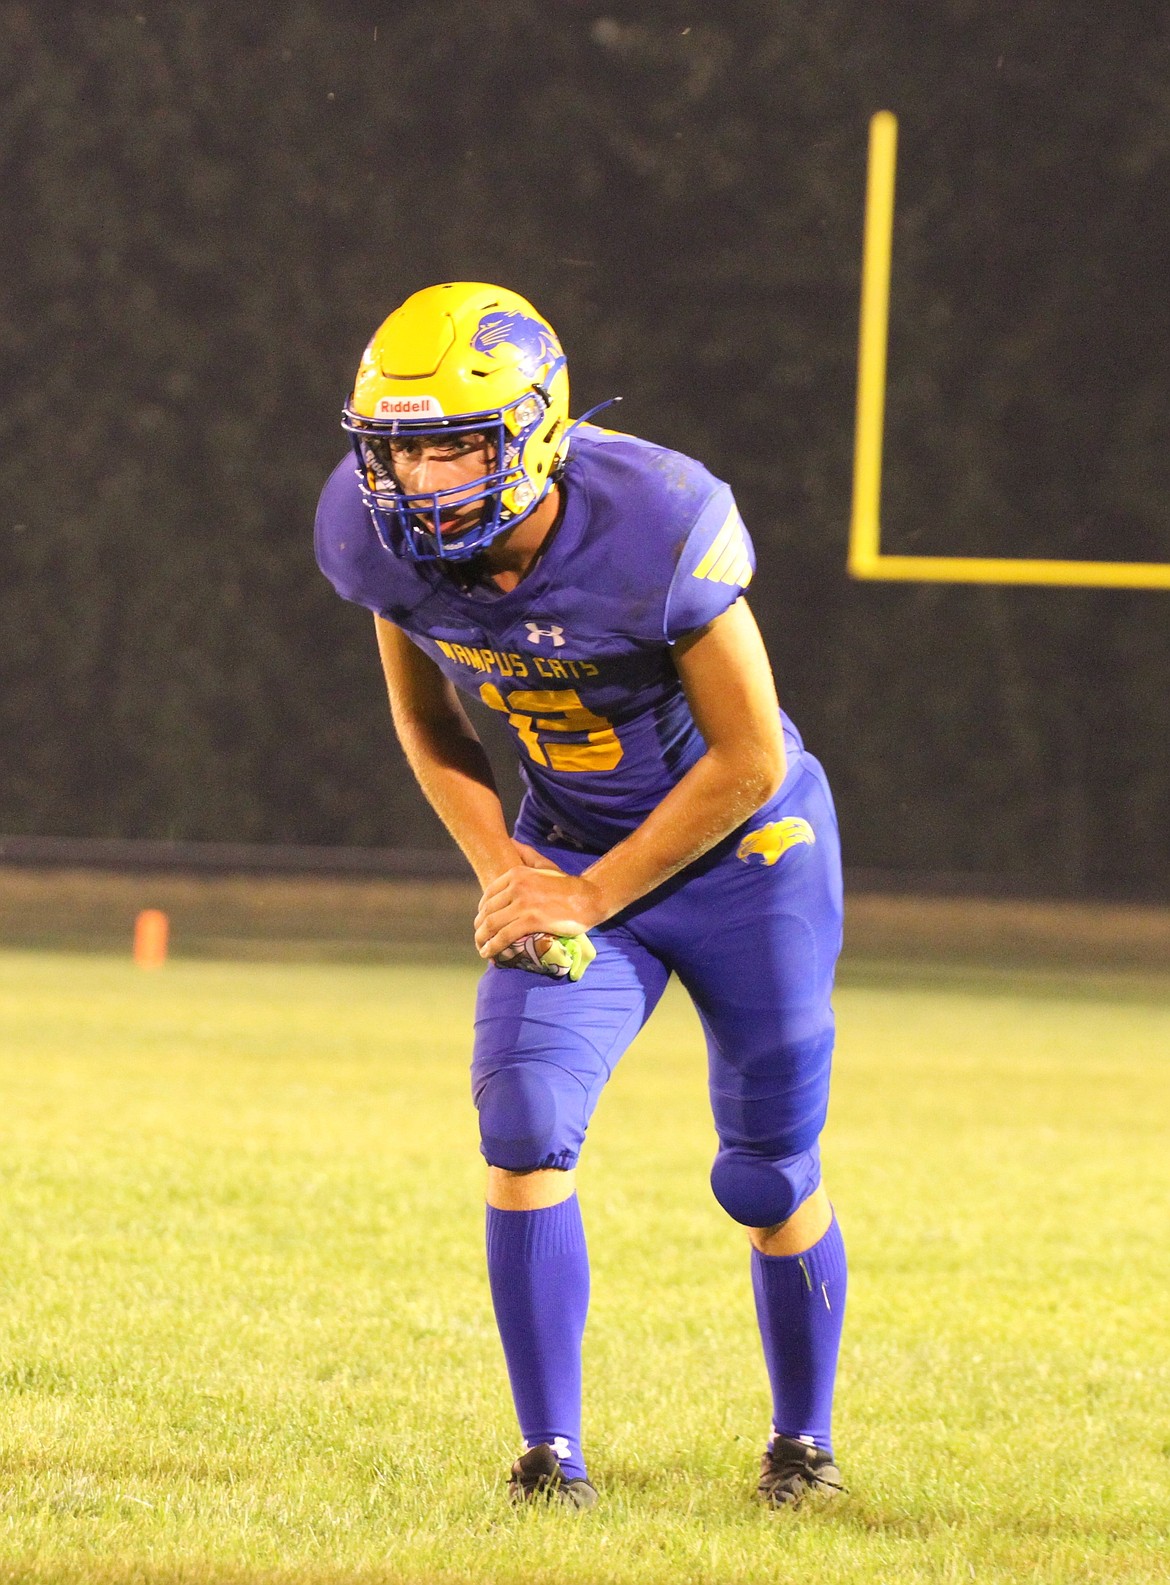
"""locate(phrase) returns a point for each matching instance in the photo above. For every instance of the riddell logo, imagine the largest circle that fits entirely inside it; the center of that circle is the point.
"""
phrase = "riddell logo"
(408, 407)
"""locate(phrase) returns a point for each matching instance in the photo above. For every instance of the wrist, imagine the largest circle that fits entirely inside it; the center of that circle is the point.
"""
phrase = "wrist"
(602, 901)
(489, 867)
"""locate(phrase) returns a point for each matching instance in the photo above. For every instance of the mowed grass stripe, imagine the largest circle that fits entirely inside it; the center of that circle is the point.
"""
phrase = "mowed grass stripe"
(246, 1332)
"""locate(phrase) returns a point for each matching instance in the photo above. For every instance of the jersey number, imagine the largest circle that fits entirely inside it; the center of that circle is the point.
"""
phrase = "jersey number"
(539, 714)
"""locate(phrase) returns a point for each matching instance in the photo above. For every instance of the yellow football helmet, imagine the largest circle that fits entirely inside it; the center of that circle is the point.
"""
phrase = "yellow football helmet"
(462, 358)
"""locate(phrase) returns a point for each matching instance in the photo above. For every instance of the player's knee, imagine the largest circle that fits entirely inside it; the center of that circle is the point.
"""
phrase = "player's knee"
(517, 1119)
(761, 1191)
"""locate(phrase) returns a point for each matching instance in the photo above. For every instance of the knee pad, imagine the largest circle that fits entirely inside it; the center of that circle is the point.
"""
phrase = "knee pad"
(517, 1118)
(760, 1191)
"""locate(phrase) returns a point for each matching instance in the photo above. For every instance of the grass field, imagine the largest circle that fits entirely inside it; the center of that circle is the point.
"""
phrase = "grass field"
(246, 1332)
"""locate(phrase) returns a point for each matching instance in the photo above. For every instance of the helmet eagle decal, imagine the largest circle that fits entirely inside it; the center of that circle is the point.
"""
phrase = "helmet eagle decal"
(533, 340)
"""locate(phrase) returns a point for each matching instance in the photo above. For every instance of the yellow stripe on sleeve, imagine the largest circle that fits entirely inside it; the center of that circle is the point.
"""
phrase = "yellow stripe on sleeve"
(727, 559)
(741, 572)
(733, 554)
(725, 537)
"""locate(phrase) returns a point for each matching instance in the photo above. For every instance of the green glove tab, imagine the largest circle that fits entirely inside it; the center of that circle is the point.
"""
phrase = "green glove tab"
(556, 957)
(567, 957)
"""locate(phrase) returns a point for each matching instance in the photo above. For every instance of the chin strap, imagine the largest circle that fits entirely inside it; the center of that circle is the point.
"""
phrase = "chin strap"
(610, 401)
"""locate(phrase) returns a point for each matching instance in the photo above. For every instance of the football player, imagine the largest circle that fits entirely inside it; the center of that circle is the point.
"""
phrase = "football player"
(589, 586)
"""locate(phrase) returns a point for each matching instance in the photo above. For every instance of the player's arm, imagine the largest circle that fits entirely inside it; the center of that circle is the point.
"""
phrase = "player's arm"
(727, 679)
(445, 755)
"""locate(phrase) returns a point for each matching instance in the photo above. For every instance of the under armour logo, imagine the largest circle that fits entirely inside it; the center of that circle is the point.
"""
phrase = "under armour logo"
(536, 633)
(560, 1446)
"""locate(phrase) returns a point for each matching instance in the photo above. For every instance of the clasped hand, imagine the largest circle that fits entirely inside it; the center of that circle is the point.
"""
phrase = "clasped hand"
(535, 896)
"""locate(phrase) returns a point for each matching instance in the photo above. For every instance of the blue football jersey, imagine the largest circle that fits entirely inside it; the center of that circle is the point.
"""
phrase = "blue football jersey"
(649, 547)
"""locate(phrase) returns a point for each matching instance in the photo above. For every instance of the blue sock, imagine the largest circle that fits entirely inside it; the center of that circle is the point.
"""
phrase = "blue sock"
(800, 1305)
(538, 1268)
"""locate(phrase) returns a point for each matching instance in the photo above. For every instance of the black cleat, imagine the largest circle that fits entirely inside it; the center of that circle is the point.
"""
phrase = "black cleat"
(791, 1470)
(536, 1477)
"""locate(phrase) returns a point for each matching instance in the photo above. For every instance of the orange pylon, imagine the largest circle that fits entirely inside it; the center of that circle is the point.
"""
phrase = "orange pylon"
(151, 930)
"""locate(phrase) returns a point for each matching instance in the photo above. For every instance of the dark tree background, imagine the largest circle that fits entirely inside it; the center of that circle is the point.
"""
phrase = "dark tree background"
(209, 206)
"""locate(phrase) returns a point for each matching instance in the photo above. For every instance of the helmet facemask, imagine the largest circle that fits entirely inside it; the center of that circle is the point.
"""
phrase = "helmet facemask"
(519, 439)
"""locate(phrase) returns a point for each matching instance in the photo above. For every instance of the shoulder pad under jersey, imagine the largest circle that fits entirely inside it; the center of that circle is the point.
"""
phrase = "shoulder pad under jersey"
(669, 531)
(353, 558)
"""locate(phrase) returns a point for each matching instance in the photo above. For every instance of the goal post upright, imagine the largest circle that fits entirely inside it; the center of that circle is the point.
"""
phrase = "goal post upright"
(873, 339)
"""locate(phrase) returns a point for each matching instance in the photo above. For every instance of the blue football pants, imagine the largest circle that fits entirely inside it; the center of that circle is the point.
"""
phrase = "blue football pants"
(754, 939)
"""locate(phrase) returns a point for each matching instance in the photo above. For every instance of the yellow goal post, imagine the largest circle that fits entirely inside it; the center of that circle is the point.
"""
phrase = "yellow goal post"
(866, 558)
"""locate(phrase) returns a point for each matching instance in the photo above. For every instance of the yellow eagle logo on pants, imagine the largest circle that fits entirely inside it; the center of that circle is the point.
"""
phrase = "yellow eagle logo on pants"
(769, 842)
